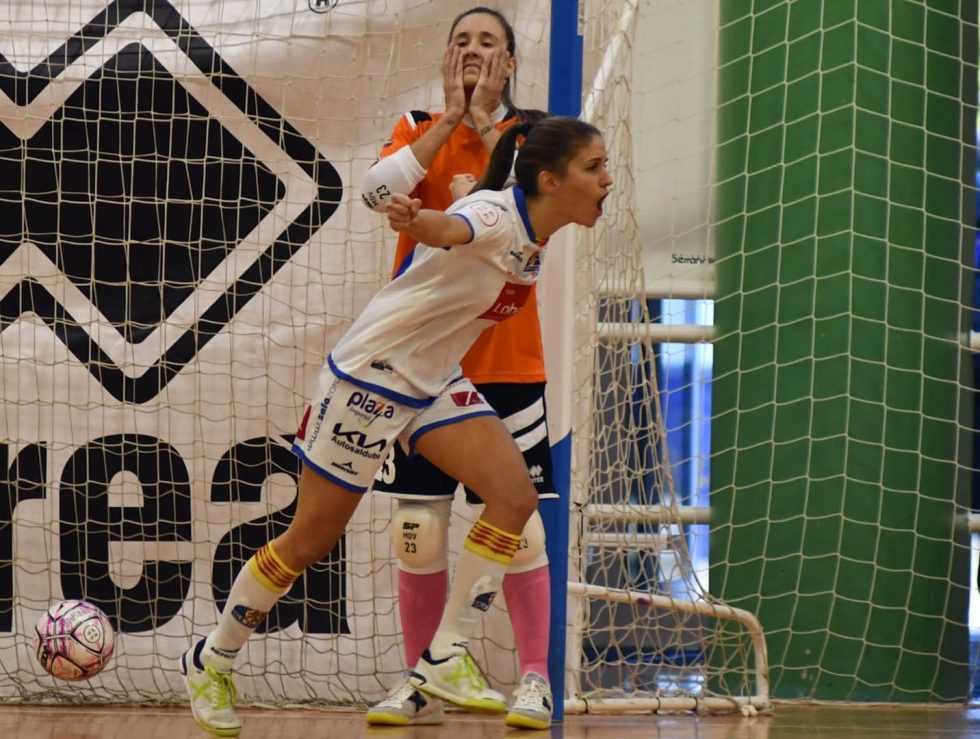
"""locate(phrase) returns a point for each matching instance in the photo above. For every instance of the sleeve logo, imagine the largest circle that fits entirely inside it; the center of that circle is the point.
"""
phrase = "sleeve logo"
(486, 213)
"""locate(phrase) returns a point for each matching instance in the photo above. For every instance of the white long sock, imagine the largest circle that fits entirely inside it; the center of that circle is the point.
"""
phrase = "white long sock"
(261, 583)
(486, 555)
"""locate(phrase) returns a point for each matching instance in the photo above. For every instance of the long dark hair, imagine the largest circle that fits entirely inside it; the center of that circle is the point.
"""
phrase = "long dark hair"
(549, 145)
(528, 115)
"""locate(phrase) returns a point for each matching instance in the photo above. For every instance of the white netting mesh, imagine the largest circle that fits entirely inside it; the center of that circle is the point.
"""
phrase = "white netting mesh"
(650, 635)
(180, 247)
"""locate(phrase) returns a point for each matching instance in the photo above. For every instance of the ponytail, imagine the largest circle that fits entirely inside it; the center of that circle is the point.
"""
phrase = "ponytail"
(523, 115)
(548, 145)
(502, 159)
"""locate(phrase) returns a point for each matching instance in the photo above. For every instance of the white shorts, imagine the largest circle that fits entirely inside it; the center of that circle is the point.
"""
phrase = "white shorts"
(347, 430)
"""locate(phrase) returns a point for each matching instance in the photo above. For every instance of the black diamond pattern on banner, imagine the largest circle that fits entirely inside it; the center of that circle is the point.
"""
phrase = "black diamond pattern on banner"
(136, 192)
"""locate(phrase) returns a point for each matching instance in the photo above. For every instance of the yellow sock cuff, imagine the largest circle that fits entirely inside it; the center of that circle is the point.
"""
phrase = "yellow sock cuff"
(271, 571)
(492, 543)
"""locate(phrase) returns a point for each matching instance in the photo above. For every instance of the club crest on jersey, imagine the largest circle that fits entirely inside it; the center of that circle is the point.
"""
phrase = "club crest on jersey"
(526, 264)
(486, 213)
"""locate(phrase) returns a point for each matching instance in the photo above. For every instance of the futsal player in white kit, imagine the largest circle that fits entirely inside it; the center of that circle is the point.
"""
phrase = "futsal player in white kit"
(394, 378)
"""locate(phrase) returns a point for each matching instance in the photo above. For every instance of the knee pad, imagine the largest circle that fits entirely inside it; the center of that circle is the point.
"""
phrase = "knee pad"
(530, 552)
(419, 534)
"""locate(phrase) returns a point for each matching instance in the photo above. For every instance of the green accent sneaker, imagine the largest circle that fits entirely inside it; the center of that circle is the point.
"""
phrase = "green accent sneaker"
(457, 679)
(212, 695)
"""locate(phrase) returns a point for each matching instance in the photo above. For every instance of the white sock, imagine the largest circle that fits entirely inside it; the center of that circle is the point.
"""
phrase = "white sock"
(486, 555)
(261, 583)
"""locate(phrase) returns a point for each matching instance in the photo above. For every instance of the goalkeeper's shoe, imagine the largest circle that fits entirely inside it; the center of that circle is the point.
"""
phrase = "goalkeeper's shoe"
(212, 695)
(406, 706)
(457, 679)
(532, 704)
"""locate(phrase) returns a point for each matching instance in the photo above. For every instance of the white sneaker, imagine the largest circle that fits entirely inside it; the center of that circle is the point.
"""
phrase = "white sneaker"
(406, 706)
(457, 679)
(212, 695)
(532, 704)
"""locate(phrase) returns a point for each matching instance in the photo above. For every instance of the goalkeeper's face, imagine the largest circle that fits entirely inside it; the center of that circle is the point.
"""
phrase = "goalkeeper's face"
(478, 36)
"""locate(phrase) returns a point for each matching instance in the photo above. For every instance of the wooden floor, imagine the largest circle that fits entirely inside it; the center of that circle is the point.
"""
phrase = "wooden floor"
(788, 720)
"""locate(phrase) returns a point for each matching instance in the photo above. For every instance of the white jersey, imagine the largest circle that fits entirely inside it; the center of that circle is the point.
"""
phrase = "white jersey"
(408, 342)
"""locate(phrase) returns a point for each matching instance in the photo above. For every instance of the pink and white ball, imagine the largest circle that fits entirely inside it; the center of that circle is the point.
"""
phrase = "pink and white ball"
(73, 640)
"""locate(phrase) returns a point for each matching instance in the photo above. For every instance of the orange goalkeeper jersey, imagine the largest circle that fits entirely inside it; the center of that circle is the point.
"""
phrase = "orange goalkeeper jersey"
(511, 350)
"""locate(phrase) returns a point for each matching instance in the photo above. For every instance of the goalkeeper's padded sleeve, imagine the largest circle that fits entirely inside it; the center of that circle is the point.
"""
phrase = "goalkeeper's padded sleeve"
(400, 172)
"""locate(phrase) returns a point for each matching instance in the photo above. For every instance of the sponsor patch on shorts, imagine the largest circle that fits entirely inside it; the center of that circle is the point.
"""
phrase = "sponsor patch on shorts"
(466, 398)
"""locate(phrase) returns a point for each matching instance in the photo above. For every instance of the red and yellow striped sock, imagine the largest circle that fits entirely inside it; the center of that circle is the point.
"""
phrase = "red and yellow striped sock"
(271, 571)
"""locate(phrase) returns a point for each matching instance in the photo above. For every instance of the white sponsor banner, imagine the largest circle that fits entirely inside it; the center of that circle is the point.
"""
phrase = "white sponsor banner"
(181, 246)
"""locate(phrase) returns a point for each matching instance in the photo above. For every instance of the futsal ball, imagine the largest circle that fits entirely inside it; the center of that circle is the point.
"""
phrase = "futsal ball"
(73, 640)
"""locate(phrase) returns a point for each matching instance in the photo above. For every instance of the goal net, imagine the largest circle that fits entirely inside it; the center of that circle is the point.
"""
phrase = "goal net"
(180, 246)
(646, 634)
(842, 220)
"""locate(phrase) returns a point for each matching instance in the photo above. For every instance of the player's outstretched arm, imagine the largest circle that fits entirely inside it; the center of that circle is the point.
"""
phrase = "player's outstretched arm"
(428, 227)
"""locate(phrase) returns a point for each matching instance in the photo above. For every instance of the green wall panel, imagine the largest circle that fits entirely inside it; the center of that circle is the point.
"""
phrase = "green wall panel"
(839, 397)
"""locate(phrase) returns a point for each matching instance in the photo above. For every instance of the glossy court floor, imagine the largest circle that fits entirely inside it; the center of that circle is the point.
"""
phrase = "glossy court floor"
(787, 720)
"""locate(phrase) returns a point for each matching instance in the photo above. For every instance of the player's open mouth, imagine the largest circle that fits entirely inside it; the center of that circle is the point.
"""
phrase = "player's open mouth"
(599, 204)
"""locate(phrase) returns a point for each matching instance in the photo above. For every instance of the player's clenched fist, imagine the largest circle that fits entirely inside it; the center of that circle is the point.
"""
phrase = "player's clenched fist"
(401, 211)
